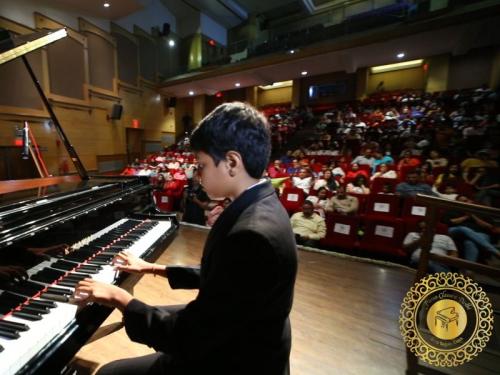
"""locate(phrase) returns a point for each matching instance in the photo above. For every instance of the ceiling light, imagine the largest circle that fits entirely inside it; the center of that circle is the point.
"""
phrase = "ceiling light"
(396, 66)
(171, 43)
(400, 55)
(237, 84)
(291, 52)
(191, 93)
(303, 73)
(106, 5)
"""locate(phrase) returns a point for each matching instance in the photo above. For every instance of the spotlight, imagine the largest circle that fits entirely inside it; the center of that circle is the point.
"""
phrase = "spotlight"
(303, 73)
(106, 5)
(400, 55)
(171, 43)
(191, 93)
(237, 84)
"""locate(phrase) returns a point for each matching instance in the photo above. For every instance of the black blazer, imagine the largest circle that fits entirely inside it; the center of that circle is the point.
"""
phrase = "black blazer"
(238, 323)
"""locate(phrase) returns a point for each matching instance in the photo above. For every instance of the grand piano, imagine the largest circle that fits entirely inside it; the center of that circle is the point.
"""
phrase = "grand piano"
(53, 237)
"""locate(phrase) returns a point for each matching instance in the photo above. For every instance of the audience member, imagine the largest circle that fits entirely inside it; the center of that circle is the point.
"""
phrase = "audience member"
(412, 186)
(344, 204)
(308, 226)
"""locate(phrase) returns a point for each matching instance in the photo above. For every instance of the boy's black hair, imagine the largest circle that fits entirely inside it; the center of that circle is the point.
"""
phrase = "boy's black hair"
(235, 127)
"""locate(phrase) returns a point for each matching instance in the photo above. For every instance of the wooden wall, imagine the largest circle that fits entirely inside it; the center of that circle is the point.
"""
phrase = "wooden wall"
(83, 76)
(413, 78)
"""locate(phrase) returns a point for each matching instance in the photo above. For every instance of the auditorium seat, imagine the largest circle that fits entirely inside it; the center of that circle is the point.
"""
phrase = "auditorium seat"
(378, 183)
(292, 199)
(383, 236)
(341, 232)
(382, 206)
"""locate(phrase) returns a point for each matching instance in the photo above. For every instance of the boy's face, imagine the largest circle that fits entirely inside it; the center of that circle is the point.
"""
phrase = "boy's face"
(214, 179)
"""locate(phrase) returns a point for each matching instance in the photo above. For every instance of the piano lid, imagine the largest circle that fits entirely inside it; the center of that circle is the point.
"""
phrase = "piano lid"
(12, 46)
(25, 213)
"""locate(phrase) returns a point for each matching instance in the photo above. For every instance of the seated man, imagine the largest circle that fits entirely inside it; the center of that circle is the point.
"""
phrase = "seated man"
(441, 245)
(308, 226)
(344, 204)
(303, 181)
(412, 186)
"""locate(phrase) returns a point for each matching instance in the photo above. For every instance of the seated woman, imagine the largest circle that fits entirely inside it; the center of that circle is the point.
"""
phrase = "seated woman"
(384, 172)
(355, 172)
(426, 175)
(436, 160)
(452, 177)
(321, 202)
(408, 161)
(358, 186)
(328, 182)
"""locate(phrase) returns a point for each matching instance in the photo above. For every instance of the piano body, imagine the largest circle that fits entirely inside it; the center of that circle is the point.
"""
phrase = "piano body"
(93, 218)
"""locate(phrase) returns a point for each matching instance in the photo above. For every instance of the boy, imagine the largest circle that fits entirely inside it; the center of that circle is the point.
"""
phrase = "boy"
(238, 323)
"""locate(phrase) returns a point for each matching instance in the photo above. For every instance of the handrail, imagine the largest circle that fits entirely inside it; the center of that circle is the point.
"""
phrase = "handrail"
(467, 207)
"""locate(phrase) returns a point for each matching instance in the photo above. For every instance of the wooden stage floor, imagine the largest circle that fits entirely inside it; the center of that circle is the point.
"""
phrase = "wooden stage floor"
(344, 317)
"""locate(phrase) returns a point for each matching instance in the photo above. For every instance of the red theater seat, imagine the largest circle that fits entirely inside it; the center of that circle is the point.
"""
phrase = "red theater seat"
(382, 206)
(341, 232)
(292, 199)
(383, 236)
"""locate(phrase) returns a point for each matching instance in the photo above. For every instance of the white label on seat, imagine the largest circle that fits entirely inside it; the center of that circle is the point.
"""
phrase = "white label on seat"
(164, 199)
(292, 197)
(418, 210)
(342, 228)
(384, 231)
(381, 207)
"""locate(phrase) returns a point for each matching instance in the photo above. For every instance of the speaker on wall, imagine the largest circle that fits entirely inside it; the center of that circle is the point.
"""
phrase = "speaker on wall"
(116, 112)
(172, 102)
(165, 29)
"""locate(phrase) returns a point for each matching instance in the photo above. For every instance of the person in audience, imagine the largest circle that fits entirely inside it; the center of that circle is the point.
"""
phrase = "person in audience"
(344, 204)
(355, 172)
(294, 169)
(365, 159)
(481, 159)
(337, 169)
(449, 192)
(328, 182)
(321, 202)
(160, 182)
(195, 202)
(303, 180)
(358, 186)
(452, 177)
(387, 189)
(276, 170)
(472, 231)
(379, 159)
(384, 172)
(412, 186)
(425, 173)
(308, 226)
(408, 161)
(488, 186)
(215, 212)
(441, 245)
(436, 160)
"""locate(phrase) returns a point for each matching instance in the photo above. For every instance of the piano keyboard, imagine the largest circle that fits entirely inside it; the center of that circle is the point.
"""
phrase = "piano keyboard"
(36, 311)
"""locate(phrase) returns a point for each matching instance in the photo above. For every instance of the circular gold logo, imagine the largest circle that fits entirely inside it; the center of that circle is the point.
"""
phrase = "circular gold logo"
(446, 319)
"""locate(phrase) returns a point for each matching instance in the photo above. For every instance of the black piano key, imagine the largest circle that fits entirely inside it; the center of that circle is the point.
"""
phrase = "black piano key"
(27, 315)
(68, 283)
(1, 348)
(8, 328)
(74, 276)
(55, 297)
(35, 309)
(16, 325)
(48, 304)
(9, 334)
(87, 271)
(59, 291)
(98, 262)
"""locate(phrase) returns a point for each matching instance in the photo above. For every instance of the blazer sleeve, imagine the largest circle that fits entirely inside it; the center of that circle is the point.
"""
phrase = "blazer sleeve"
(152, 326)
(180, 277)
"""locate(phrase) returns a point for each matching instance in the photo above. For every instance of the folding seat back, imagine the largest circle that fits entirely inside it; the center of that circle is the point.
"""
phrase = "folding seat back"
(384, 236)
(292, 199)
(341, 231)
(382, 205)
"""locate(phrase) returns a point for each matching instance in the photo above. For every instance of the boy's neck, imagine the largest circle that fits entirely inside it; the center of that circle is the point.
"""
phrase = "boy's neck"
(242, 184)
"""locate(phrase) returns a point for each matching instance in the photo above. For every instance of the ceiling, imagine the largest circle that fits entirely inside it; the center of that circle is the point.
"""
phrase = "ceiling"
(456, 39)
(95, 8)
